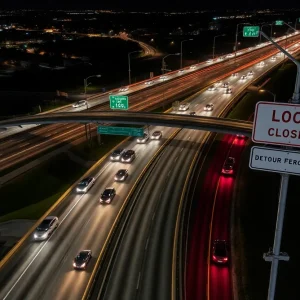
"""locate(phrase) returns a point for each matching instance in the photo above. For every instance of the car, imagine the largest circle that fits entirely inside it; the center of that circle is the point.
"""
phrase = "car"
(273, 58)
(239, 53)
(250, 73)
(212, 88)
(261, 64)
(228, 167)
(124, 89)
(193, 67)
(220, 252)
(208, 107)
(180, 71)
(108, 195)
(209, 61)
(183, 107)
(228, 91)
(121, 175)
(148, 82)
(220, 58)
(46, 228)
(230, 55)
(82, 259)
(80, 103)
(85, 184)
(163, 77)
(192, 113)
(143, 139)
(156, 135)
(225, 85)
(128, 156)
(244, 77)
(117, 154)
(235, 75)
(240, 136)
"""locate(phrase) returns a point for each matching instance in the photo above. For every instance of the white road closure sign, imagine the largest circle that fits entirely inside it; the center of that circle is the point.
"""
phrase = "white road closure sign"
(275, 160)
(277, 124)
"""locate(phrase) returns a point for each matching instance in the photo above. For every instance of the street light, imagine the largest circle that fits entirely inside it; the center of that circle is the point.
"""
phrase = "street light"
(296, 23)
(86, 84)
(163, 64)
(269, 92)
(236, 36)
(213, 56)
(129, 71)
(181, 50)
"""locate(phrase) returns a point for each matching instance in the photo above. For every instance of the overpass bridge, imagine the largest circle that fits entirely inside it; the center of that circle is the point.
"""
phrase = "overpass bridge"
(215, 124)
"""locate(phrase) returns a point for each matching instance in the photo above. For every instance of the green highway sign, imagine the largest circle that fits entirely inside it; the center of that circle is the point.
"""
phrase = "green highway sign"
(279, 22)
(250, 31)
(128, 131)
(118, 102)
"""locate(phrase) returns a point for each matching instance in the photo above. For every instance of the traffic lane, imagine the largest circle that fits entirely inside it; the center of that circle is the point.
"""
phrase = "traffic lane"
(77, 212)
(200, 217)
(220, 276)
(156, 273)
(125, 276)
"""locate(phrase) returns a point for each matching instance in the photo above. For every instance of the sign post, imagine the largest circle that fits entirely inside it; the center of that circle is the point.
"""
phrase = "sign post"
(250, 31)
(118, 102)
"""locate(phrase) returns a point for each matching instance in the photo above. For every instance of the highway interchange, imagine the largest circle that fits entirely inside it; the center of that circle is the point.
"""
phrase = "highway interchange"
(142, 264)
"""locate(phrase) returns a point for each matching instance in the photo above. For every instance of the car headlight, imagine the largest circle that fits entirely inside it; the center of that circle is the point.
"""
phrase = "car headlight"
(35, 236)
(77, 190)
(83, 265)
(74, 265)
(44, 235)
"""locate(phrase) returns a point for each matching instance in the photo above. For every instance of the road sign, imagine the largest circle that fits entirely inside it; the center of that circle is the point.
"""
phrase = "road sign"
(118, 102)
(279, 23)
(277, 124)
(250, 31)
(128, 131)
(275, 160)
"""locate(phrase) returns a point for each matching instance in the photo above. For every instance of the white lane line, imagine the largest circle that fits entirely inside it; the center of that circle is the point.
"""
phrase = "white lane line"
(169, 173)
(20, 277)
(181, 149)
(138, 282)
(24, 145)
(147, 243)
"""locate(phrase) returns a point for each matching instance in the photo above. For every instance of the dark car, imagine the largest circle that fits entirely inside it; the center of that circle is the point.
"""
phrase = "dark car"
(220, 252)
(82, 259)
(225, 85)
(128, 156)
(84, 185)
(156, 135)
(228, 166)
(121, 175)
(192, 113)
(108, 195)
(116, 154)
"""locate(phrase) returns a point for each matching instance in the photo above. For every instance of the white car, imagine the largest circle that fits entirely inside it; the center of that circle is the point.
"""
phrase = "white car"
(183, 107)
(273, 58)
(220, 58)
(163, 77)
(209, 61)
(250, 73)
(244, 77)
(80, 103)
(156, 135)
(124, 89)
(84, 185)
(149, 82)
(261, 64)
(225, 85)
(45, 229)
(212, 88)
(208, 107)
(235, 75)
(143, 139)
(230, 55)
(180, 71)
(193, 67)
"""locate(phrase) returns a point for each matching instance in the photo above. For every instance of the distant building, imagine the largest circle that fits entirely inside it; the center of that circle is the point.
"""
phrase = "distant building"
(214, 26)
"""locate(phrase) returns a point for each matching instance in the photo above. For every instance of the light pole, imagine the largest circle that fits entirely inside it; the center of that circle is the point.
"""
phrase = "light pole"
(296, 23)
(163, 64)
(181, 50)
(86, 84)
(129, 70)
(236, 36)
(269, 92)
(213, 56)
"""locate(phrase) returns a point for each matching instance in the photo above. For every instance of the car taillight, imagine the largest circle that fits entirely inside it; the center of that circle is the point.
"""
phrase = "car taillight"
(214, 257)
(225, 258)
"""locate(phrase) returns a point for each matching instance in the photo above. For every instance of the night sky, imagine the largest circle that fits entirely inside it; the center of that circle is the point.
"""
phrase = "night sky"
(147, 4)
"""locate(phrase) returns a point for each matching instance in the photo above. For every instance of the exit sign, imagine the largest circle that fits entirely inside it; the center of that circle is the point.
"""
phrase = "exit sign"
(279, 23)
(250, 31)
(118, 102)
(127, 131)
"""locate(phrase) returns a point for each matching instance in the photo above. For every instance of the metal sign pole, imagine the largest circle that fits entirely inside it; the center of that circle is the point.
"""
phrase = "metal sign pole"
(275, 255)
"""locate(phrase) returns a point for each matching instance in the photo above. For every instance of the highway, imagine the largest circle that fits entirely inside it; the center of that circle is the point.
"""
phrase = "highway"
(15, 148)
(45, 268)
